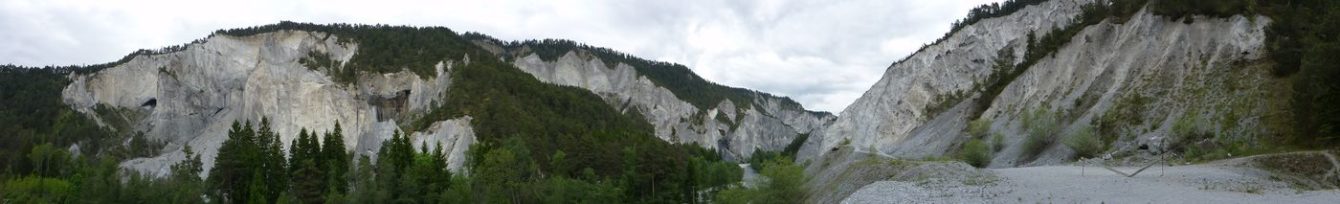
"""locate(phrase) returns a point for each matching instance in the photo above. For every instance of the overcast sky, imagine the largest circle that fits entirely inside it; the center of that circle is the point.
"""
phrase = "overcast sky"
(823, 53)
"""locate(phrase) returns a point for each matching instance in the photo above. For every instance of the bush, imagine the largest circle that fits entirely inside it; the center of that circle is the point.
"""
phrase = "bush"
(1187, 131)
(1042, 127)
(976, 153)
(785, 184)
(1085, 142)
(979, 128)
(37, 190)
(997, 142)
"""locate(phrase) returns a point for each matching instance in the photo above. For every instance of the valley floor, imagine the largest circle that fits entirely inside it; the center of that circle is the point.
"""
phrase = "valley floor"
(1206, 183)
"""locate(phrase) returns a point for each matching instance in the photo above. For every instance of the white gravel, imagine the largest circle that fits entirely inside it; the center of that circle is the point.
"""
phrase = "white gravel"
(1077, 184)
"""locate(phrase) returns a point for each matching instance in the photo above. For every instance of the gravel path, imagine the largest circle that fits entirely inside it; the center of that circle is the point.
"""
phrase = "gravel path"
(1077, 184)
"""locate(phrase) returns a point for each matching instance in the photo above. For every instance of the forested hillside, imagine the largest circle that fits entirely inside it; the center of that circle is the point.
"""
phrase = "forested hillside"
(536, 142)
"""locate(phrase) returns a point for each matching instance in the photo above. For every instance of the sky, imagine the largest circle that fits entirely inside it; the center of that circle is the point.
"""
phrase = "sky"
(822, 53)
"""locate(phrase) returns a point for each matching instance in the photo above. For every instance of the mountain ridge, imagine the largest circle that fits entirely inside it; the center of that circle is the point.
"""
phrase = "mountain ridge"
(405, 89)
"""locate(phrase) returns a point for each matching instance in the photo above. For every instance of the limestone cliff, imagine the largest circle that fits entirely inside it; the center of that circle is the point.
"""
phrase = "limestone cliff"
(1149, 70)
(766, 124)
(192, 96)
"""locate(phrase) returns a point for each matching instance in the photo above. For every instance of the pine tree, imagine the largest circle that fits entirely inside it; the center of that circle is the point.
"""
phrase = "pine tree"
(232, 167)
(272, 160)
(186, 176)
(308, 182)
(364, 187)
(336, 160)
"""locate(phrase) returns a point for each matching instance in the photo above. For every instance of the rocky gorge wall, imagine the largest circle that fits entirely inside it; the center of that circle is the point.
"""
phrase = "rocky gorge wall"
(1150, 71)
(766, 125)
(192, 96)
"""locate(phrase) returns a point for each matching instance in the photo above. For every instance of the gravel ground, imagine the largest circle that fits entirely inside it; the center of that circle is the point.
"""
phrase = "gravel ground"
(1078, 184)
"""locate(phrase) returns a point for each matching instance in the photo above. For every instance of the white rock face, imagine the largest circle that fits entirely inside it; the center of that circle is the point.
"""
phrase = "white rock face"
(766, 125)
(454, 135)
(1203, 69)
(200, 91)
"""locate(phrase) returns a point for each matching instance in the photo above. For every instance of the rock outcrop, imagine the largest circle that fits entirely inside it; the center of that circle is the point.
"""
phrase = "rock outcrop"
(1150, 71)
(192, 96)
(766, 125)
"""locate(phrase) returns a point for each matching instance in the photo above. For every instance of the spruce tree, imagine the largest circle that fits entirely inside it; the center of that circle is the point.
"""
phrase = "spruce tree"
(230, 177)
(186, 176)
(272, 160)
(336, 160)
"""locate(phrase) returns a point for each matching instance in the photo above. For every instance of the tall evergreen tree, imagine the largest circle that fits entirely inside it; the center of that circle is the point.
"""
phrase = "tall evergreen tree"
(308, 182)
(272, 161)
(186, 176)
(336, 159)
(232, 172)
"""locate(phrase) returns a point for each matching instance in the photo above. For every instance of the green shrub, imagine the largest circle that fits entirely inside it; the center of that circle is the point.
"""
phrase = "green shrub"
(1042, 126)
(1186, 131)
(785, 184)
(34, 189)
(979, 128)
(1085, 142)
(997, 142)
(976, 153)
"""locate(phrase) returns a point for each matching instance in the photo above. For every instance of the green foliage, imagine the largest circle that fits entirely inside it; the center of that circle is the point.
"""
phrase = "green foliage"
(707, 174)
(320, 61)
(1005, 70)
(1178, 9)
(335, 160)
(308, 179)
(1187, 130)
(1305, 31)
(1302, 43)
(792, 148)
(606, 155)
(976, 153)
(381, 48)
(785, 184)
(1042, 126)
(186, 178)
(679, 79)
(997, 142)
(736, 196)
(983, 12)
(979, 128)
(32, 113)
(567, 190)
(1085, 142)
(991, 11)
(249, 166)
(49, 161)
(38, 190)
(759, 157)
(1129, 109)
(943, 102)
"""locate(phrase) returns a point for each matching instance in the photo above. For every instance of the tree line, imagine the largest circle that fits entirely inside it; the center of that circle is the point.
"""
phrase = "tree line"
(251, 167)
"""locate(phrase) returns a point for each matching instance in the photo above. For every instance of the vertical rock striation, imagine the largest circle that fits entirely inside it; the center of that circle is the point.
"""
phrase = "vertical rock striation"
(198, 92)
(1149, 70)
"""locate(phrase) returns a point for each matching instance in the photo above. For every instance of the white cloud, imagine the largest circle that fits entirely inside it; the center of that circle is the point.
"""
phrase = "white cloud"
(822, 53)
